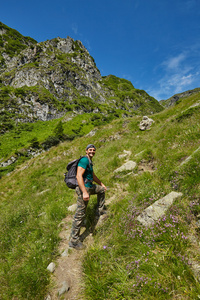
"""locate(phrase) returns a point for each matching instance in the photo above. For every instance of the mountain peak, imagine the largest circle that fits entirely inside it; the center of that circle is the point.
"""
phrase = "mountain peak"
(43, 81)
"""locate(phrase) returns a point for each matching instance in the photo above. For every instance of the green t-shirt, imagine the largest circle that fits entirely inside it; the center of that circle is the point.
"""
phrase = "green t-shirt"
(84, 163)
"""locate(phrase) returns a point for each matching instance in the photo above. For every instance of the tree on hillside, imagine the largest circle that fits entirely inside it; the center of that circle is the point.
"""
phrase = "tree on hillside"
(59, 130)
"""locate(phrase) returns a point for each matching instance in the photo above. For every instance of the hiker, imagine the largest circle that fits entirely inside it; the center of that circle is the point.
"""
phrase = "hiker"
(85, 176)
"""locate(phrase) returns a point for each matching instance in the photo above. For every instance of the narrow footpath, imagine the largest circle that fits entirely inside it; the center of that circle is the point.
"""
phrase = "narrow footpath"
(67, 277)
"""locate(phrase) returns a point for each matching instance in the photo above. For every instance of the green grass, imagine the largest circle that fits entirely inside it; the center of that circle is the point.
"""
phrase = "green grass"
(127, 260)
(22, 136)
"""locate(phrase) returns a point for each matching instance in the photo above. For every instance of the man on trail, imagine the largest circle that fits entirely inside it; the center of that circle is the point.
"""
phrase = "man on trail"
(85, 176)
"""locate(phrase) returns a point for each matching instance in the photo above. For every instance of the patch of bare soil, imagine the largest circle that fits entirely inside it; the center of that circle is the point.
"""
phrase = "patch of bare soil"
(67, 279)
(146, 166)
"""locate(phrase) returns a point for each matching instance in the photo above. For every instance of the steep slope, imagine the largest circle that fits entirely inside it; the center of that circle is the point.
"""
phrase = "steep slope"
(127, 260)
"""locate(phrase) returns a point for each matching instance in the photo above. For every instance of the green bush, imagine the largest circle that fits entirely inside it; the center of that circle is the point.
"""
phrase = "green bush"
(35, 143)
(50, 142)
(59, 131)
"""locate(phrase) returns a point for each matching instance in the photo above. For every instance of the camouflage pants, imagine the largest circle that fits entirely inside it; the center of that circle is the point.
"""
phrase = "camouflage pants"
(82, 206)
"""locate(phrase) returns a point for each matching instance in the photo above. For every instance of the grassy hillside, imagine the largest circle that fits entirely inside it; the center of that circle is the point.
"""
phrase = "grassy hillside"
(41, 135)
(127, 261)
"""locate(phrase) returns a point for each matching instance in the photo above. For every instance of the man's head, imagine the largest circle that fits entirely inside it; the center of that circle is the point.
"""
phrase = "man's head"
(90, 150)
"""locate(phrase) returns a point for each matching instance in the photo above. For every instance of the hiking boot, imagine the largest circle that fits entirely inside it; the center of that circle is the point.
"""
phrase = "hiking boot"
(77, 246)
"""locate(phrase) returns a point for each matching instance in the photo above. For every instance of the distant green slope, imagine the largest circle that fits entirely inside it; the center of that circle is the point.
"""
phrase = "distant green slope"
(129, 98)
(178, 97)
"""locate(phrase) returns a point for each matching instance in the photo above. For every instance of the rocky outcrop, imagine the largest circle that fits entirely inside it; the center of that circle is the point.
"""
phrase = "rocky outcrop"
(51, 64)
(28, 152)
(42, 81)
(146, 123)
(48, 75)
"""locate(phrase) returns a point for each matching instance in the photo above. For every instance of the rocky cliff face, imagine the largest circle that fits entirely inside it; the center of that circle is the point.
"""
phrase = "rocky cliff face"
(52, 64)
(42, 81)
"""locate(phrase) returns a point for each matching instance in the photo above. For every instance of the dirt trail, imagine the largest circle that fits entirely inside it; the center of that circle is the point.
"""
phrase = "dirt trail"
(67, 278)
(68, 272)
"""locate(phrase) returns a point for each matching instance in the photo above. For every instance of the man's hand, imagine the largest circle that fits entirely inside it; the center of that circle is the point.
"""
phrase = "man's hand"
(105, 188)
(86, 196)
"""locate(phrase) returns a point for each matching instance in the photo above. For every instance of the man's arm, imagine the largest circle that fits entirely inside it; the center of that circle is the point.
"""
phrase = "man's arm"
(79, 176)
(98, 181)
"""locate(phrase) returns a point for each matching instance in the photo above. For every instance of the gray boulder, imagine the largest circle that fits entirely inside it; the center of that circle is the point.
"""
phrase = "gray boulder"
(51, 267)
(145, 124)
(65, 287)
(155, 211)
(128, 166)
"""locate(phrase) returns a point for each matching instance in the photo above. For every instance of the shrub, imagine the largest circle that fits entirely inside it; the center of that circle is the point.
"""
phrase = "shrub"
(35, 143)
(50, 142)
(59, 131)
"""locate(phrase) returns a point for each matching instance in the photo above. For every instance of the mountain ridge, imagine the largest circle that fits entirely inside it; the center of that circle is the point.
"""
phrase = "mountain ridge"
(174, 99)
(42, 81)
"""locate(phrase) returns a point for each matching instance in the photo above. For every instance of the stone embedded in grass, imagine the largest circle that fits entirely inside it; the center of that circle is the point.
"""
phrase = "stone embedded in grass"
(65, 287)
(9, 162)
(51, 267)
(124, 154)
(72, 207)
(155, 211)
(42, 214)
(190, 157)
(92, 132)
(65, 253)
(43, 192)
(128, 166)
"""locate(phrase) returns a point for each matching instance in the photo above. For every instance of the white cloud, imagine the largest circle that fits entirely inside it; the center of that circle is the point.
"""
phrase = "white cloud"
(177, 74)
(176, 83)
(174, 62)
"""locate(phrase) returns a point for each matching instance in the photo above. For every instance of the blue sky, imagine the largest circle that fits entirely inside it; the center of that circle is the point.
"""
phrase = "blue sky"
(153, 43)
